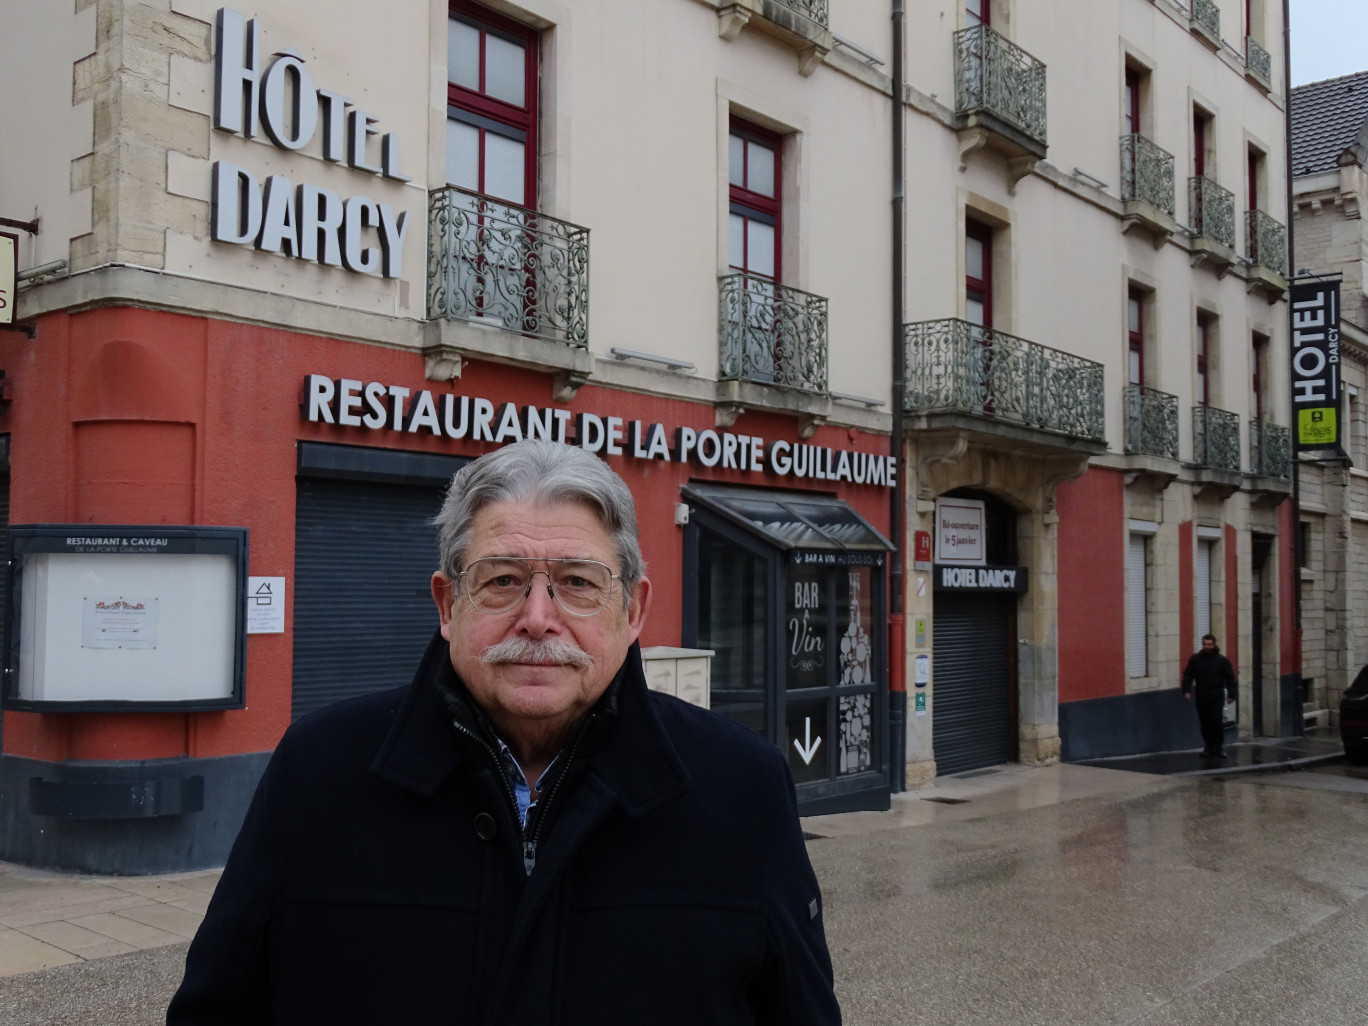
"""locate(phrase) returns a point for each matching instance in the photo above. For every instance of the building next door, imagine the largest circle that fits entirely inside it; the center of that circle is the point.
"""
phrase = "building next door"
(788, 592)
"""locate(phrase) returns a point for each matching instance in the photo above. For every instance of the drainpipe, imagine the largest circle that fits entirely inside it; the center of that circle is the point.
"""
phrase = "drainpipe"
(1298, 721)
(897, 627)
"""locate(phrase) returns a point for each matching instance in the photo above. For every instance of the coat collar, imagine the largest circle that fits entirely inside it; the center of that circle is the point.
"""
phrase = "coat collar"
(636, 761)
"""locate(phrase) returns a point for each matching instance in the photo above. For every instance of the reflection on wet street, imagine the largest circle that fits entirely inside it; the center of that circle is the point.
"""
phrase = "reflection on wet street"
(1173, 901)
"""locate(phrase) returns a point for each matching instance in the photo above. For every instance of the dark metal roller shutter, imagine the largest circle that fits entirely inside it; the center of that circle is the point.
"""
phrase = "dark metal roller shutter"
(970, 711)
(363, 614)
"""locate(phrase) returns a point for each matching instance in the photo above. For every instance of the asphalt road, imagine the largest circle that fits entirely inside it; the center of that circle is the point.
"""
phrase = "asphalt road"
(1175, 902)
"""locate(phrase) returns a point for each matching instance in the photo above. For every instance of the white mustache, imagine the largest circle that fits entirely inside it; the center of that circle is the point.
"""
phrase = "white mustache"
(549, 652)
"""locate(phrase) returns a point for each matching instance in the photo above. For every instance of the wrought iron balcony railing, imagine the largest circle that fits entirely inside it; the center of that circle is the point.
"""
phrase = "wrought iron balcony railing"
(1267, 242)
(1151, 421)
(815, 10)
(1270, 449)
(1215, 438)
(501, 264)
(1257, 59)
(771, 333)
(1000, 78)
(1211, 209)
(957, 367)
(1208, 15)
(1146, 173)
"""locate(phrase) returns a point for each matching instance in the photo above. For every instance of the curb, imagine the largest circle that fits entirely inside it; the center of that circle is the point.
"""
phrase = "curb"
(1284, 766)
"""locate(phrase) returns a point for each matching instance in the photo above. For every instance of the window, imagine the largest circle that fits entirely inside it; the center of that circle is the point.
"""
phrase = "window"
(1130, 113)
(1201, 132)
(1206, 552)
(978, 273)
(1255, 165)
(977, 12)
(754, 225)
(1135, 336)
(1257, 360)
(1137, 597)
(1203, 359)
(491, 106)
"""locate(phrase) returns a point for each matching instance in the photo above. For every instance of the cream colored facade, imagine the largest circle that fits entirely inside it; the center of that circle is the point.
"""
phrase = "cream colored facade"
(1330, 239)
(635, 102)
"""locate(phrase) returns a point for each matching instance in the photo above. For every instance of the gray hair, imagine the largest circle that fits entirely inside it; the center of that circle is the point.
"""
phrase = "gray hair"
(544, 473)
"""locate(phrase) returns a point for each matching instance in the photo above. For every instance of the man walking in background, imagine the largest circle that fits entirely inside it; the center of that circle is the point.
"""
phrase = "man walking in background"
(1210, 675)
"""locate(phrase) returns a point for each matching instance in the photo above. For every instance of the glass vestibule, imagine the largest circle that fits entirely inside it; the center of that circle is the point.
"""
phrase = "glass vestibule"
(788, 592)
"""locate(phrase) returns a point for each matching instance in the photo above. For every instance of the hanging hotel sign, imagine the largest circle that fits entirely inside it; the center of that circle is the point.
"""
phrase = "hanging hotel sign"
(306, 222)
(1315, 364)
(9, 266)
(376, 406)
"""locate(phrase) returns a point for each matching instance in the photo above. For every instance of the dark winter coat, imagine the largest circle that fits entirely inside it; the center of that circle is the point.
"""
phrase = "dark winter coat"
(1211, 673)
(379, 878)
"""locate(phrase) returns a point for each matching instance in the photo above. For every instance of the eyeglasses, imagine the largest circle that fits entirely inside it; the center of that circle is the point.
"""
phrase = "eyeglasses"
(499, 584)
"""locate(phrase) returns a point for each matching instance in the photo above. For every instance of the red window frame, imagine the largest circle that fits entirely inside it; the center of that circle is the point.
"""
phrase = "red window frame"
(479, 106)
(1135, 336)
(753, 205)
(1132, 111)
(1254, 162)
(1203, 368)
(984, 14)
(980, 288)
(1260, 346)
(1199, 146)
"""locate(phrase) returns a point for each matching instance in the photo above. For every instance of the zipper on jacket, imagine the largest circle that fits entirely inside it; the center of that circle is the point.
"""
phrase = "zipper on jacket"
(533, 834)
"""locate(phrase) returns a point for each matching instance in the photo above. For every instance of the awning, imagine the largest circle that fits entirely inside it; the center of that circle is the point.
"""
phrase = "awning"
(791, 520)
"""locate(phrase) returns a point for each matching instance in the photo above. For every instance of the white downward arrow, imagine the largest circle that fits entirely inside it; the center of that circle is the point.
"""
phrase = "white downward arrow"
(809, 748)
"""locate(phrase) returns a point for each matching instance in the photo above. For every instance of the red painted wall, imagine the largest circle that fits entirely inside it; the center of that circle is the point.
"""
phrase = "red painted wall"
(1187, 598)
(1231, 647)
(1092, 598)
(135, 416)
(1289, 636)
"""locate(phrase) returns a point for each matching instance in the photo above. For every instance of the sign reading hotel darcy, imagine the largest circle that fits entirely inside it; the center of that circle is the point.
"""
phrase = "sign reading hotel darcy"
(305, 222)
(376, 406)
(1315, 364)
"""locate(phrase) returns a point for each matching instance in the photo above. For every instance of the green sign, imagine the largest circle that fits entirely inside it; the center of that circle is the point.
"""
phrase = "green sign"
(1316, 427)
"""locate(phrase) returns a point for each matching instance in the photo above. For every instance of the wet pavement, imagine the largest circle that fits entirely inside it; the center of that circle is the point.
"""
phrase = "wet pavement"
(1062, 894)
(1317, 748)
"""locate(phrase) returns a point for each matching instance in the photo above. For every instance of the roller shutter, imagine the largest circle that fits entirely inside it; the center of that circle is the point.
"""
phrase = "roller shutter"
(971, 708)
(1204, 549)
(364, 556)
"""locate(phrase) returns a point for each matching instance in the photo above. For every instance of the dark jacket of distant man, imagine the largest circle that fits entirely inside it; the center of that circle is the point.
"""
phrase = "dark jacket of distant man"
(1209, 680)
(672, 888)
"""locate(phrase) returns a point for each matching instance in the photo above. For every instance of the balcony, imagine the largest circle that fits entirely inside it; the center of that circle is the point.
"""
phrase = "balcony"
(1147, 188)
(505, 283)
(813, 10)
(1151, 421)
(771, 334)
(1006, 385)
(1211, 211)
(1215, 438)
(801, 25)
(1258, 64)
(999, 99)
(1270, 449)
(1206, 22)
(1266, 246)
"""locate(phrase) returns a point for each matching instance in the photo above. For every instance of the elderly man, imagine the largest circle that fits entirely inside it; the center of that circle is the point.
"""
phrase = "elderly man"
(525, 834)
